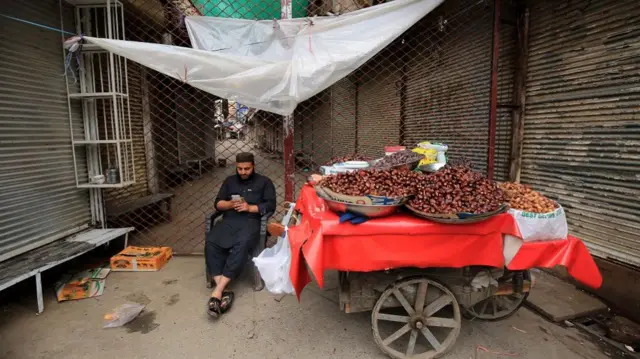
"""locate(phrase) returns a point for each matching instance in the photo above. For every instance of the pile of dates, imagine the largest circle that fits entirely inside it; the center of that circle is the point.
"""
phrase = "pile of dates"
(526, 199)
(388, 183)
(347, 158)
(456, 189)
(398, 158)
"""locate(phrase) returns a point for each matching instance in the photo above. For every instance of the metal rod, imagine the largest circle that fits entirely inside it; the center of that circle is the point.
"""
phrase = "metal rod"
(66, 84)
(126, 83)
(493, 102)
(288, 126)
(289, 163)
(39, 293)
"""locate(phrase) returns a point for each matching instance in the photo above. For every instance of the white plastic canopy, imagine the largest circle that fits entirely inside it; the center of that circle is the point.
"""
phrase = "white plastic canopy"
(274, 65)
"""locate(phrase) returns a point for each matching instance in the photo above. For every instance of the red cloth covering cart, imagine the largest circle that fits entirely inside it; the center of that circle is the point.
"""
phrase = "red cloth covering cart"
(422, 269)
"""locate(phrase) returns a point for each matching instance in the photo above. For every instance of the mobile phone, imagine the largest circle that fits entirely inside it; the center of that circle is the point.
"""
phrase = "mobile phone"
(235, 197)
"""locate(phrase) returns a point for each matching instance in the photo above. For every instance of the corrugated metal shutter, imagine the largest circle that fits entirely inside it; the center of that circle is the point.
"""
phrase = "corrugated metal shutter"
(378, 116)
(321, 124)
(582, 132)
(343, 112)
(448, 80)
(39, 201)
(506, 73)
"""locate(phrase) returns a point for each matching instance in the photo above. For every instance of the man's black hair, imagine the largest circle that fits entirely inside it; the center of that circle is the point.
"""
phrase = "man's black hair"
(245, 157)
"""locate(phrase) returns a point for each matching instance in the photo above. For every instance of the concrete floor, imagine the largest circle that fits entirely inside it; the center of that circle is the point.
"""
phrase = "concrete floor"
(175, 325)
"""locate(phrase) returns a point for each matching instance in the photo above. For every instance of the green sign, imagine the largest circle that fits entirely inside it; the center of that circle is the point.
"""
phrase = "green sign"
(248, 9)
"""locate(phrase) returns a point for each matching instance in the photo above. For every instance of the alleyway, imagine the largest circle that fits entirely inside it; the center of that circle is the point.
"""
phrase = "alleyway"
(175, 325)
(194, 200)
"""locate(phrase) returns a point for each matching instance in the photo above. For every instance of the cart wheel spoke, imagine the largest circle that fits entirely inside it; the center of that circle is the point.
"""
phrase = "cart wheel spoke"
(412, 342)
(400, 332)
(421, 296)
(393, 318)
(483, 310)
(441, 322)
(403, 301)
(494, 305)
(431, 338)
(437, 304)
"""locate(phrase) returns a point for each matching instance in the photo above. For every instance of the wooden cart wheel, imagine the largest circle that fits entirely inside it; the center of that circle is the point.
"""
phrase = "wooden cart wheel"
(497, 307)
(416, 318)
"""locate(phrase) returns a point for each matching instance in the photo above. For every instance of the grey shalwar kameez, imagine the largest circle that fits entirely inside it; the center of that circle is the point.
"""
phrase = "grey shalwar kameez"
(232, 239)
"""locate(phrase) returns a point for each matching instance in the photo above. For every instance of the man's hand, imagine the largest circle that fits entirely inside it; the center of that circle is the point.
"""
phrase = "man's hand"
(240, 206)
(245, 207)
(224, 205)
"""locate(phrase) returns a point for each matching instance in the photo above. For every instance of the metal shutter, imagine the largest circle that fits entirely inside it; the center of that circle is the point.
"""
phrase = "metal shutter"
(343, 113)
(378, 105)
(582, 127)
(39, 201)
(318, 116)
(448, 81)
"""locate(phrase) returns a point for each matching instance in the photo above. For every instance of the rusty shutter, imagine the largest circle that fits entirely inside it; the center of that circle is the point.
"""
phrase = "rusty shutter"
(447, 95)
(39, 200)
(320, 120)
(378, 101)
(343, 113)
(582, 132)
(506, 76)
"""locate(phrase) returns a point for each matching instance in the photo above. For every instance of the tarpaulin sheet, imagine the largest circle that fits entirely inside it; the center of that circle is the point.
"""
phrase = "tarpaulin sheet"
(403, 240)
(274, 65)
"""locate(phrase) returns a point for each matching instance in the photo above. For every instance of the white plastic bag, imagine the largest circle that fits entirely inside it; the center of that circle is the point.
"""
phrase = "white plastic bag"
(273, 264)
(122, 315)
(541, 226)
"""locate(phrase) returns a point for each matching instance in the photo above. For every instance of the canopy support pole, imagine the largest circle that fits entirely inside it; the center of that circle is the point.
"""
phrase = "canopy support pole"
(493, 103)
(287, 146)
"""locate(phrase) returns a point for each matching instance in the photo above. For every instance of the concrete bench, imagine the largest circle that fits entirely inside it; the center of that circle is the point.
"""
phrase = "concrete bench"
(34, 262)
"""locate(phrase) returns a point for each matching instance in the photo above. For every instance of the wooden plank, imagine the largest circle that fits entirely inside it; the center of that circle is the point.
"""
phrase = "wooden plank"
(559, 301)
(38, 260)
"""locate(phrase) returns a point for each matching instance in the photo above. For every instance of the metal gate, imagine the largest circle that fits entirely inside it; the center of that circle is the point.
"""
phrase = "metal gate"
(39, 201)
(432, 83)
(581, 138)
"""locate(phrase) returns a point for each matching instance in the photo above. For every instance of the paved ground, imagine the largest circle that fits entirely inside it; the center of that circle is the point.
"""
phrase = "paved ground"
(175, 325)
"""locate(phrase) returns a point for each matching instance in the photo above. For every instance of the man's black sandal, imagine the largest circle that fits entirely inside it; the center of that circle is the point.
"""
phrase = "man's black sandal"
(227, 301)
(213, 307)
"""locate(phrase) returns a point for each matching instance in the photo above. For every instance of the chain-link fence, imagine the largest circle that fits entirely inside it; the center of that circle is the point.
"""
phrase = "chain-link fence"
(432, 83)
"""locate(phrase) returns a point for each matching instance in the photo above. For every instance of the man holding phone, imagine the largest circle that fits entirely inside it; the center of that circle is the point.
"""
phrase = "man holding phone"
(244, 198)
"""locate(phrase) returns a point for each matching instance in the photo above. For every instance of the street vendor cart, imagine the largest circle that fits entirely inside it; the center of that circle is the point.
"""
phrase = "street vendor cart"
(419, 278)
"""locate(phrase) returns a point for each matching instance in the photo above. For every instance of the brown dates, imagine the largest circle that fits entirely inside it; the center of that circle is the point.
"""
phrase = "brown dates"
(388, 183)
(456, 189)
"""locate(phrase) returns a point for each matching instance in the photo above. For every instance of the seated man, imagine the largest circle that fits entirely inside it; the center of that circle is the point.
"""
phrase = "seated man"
(244, 198)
